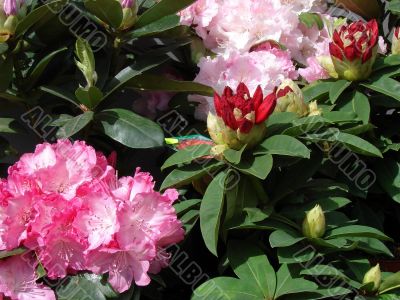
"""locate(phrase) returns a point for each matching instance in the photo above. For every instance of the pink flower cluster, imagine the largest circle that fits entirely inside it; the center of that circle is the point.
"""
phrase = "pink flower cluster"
(65, 203)
(233, 30)
(266, 68)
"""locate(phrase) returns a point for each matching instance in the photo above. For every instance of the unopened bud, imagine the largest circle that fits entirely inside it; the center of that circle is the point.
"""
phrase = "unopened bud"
(314, 223)
(373, 276)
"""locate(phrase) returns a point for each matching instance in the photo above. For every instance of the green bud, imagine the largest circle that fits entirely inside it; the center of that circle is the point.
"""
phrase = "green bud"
(129, 17)
(396, 41)
(373, 276)
(234, 139)
(290, 99)
(313, 109)
(314, 223)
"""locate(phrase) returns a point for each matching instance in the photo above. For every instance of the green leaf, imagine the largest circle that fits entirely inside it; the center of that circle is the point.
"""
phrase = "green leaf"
(311, 19)
(75, 125)
(187, 155)
(357, 231)
(109, 11)
(17, 251)
(6, 74)
(150, 82)
(258, 166)
(306, 125)
(61, 93)
(316, 90)
(3, 48)
(337, 88)
(160, 10)
(37, 15)
(388, 175)
(394, 7)
(280, 238)
(185, 175)
(211, 211)
(288, 285)
(9, 125)
(226, 288)
(358, 145)
(130, 129)
(140, 66)
(90, 97)
(296, 254)
(163, 24)
(251, 265)
(37, 70)
(234, 156)
(390, 283)
(284, 145)
(386, 86)
(361, 106)
(87, 289)
(184, 206)
(387, 61)
(329, 270)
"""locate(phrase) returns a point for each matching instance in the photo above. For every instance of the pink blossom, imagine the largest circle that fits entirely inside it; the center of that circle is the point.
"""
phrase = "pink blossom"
(18, 280)
(66, 203)
(97, 219)
(314, 71)
(123, 267)
(61, 167)
(265, 68)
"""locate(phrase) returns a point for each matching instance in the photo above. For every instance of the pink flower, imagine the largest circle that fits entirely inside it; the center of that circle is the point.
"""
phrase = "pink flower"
(10, 7)
(18, 280)
(66, 203)
(265, 68)
(61, 167)
(314, 71)
(122, 266)
(97, 219)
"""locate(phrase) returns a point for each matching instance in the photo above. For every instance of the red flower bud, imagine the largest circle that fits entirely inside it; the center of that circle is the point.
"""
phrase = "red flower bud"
(354, 49)
(396, 41)
(240, 110)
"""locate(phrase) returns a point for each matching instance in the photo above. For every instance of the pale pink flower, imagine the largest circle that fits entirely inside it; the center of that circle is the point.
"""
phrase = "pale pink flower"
(265, 68)
(18, 280)
(123, 267)
(97, 219)
(314, 71)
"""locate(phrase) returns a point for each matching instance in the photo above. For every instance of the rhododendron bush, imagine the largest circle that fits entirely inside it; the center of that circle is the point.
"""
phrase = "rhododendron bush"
(199, 149)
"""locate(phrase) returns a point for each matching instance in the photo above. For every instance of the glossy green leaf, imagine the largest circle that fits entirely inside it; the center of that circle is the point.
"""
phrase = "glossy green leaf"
(211, 209)
(74, 125)
(386, 86)
(187, 155)
(286, 284)
(38, 14)
(163, 24)
(90, 97)
(150, 82)
(9, 125)
(388, 175)
(109, 11)
(390, 283)
(17, 251)
(226, 288)
(251, 265)
(40, 67)
(284, 145)
(259, 166)
(358, 145)
(337, 88)
(160, 10)
(130, 129)
(281, 238)
(185, 175)
(357, 231)
(140, 66)
(361, 106)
